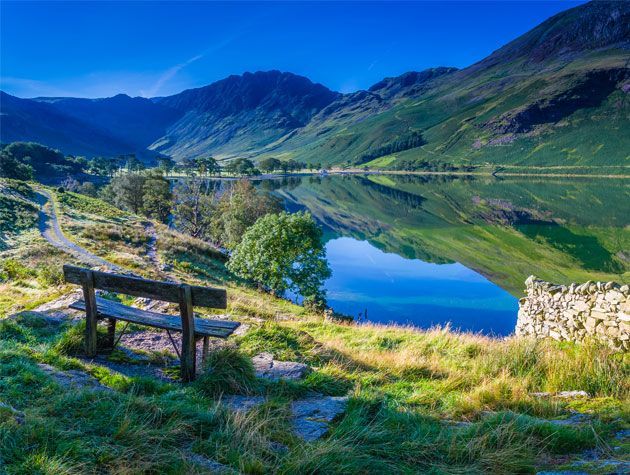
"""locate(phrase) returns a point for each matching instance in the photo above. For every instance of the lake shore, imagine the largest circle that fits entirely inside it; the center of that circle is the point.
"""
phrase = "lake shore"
(275, 176)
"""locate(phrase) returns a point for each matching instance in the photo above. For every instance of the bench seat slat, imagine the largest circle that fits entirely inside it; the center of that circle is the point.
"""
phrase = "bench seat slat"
(203, 327)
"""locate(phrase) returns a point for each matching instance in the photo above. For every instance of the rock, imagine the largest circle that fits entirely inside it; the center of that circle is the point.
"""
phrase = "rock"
(562, 394)
(599, 315)
(572, 394)
(541, 394)
(12, 413)
(562, 472)
(58, 308)
(212, 465)
(574, 420)
(73, 379)
(242, 403)
(312, 415)
(268, 368)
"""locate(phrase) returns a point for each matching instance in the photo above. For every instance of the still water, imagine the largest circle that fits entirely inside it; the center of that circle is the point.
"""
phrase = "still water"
(434, 251)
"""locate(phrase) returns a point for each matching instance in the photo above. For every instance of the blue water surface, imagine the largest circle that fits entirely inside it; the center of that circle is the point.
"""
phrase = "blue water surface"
(393, 289)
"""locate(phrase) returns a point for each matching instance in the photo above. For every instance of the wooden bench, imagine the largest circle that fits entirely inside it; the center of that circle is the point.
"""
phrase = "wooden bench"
(187, 296)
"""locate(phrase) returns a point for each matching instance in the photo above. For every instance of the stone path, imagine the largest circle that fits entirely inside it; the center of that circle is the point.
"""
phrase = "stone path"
(73, 378)
(212, 465)
(51, 231)
(313, 415)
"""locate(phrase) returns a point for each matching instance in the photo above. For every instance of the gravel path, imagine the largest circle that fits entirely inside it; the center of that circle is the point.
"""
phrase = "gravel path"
(51, 231)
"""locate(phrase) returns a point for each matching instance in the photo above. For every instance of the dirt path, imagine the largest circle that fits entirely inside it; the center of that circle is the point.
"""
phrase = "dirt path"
(51, 231)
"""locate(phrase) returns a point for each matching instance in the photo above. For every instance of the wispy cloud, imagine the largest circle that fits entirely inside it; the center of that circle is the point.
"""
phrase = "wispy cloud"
(171, 72)
(167, 76)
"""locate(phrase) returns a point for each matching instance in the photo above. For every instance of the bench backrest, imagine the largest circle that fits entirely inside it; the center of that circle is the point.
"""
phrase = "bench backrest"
(153, 289)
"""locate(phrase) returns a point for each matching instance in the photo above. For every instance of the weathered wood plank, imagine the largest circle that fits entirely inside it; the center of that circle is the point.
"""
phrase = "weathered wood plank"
(87, 283)
(189, 354)
(153, 289)
(203, 327)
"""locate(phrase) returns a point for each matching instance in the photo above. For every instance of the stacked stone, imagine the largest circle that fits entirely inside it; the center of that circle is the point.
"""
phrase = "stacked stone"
(576, 312)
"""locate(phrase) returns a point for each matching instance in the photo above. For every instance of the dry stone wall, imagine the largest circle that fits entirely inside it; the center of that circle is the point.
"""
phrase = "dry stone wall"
(576, 312)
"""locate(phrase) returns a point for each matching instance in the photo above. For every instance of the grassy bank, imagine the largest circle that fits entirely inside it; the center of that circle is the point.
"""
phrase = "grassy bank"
(420, 401)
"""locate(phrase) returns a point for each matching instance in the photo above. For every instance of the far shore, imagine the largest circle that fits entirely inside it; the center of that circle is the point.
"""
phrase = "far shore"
(273, 176)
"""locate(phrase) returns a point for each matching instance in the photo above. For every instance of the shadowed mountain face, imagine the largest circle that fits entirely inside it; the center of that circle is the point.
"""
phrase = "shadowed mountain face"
(241, 114)
(557, 95)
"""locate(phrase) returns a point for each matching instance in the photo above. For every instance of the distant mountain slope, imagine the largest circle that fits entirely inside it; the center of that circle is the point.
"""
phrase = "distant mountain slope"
(134, 120)
(25, 120)
(241, 114)
(555, 96)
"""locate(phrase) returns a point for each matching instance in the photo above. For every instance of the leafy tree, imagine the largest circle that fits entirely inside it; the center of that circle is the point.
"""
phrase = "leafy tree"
(11, 167)
(133, 164)
(157, 197)
(18, 158)
(88, 188)
(166, 164)
(127, 191)
(269, 164)
(207, 165)
(241, 166)
(189, 165)
(283, 252)
(70, 184)
(238, 209)
(284, 166)
(193, 209)
(102, 166)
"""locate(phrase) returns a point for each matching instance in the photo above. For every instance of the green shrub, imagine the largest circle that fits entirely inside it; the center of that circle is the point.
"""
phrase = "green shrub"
(15, 270)
(48, 275)
(227, 370)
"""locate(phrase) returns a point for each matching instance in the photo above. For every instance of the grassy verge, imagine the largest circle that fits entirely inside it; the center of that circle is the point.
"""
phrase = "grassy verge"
(420, 402)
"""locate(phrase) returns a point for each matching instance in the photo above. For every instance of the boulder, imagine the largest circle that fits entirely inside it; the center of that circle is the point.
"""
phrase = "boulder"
(268, 368)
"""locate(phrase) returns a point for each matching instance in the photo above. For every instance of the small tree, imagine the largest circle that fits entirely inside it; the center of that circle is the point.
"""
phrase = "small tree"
(283, 252)
(269, 164)
(133, 164)
(157, 197)
(241, 166)
(11, 167)
(166, 164)
(127, 191)
(194, 209)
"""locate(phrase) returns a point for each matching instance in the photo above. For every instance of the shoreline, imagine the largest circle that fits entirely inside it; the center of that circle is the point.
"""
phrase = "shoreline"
(274, 176)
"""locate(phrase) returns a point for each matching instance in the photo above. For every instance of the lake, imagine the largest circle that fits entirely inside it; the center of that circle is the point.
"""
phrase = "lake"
(425, 251)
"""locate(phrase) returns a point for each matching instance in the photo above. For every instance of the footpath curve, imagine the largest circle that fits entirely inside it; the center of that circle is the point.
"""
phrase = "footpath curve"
(51, 231)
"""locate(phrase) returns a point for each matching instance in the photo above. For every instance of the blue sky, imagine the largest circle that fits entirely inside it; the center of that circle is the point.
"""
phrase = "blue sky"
(96, 49)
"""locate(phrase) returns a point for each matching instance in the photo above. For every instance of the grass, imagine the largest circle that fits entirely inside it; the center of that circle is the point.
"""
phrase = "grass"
(420, 401)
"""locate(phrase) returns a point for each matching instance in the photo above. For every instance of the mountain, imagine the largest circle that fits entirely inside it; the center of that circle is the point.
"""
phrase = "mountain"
(24, 120)
(241, 114)
(136, 121)
(555, 96)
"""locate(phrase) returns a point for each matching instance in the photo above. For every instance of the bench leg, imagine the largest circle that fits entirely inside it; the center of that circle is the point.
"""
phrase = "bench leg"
(206, 345)
(111, 332)
(89, 296)
(188, 358)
